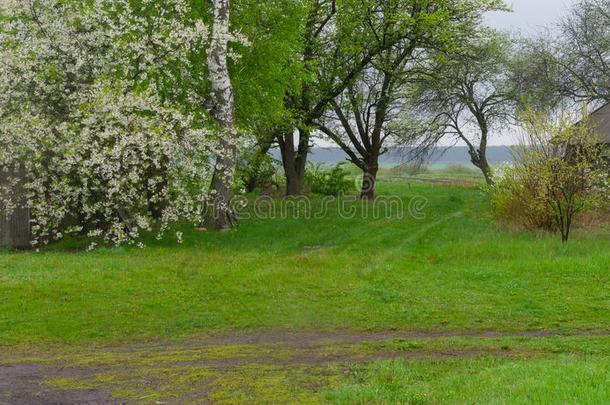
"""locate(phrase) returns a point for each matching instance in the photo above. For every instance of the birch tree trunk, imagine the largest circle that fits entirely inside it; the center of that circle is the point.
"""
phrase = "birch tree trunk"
(222, 217)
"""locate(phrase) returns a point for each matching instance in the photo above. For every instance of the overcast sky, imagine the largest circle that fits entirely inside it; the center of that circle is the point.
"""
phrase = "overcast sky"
(528, 16)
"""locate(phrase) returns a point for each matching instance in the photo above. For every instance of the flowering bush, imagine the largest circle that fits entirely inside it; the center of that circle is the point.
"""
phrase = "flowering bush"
(516, 199)
(558, 174)
(101, 124)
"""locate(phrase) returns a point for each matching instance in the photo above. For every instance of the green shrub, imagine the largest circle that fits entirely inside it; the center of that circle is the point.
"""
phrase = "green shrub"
(255, 170)
(515, 199)
(558, 174)
(328, 181)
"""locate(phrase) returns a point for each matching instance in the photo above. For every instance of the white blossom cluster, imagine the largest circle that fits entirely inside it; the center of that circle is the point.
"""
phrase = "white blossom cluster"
(101, 121)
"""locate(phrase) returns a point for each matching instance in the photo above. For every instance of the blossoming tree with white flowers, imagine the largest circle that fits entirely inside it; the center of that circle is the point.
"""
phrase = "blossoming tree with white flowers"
(101, 118)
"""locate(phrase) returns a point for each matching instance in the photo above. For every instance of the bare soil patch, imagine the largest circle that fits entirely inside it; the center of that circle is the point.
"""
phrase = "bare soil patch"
(23, 384)
(28, 378)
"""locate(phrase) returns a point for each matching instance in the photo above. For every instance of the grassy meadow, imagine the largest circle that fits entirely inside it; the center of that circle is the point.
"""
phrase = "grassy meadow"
(444, 306)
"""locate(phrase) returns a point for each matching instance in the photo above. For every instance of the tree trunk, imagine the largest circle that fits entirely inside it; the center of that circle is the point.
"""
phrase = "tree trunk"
(295, 183)
(566, 229)
(487, 173)
(369, 180)
(221, 217)
(485, 167)
(294, 161)
(479, 159)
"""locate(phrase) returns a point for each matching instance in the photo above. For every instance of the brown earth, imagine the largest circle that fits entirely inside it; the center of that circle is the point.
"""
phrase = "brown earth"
(27, 378)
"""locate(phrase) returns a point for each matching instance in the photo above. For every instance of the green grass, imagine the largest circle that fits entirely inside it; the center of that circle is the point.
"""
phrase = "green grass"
(486, 380)
(453, 270)
(528, 370)
(434, 172)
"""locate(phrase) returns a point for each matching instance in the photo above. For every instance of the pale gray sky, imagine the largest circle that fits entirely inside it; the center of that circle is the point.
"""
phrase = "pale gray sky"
(529, 15)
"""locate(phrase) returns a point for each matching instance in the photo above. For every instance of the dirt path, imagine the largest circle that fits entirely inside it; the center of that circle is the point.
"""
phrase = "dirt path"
(23, 384)
(214, 369)
(313, 338)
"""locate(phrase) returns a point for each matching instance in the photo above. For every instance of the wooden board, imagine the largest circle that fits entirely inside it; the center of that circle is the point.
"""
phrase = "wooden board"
(15, 230)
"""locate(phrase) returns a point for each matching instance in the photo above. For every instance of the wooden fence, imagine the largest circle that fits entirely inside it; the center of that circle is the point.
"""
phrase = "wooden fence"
(15, 230)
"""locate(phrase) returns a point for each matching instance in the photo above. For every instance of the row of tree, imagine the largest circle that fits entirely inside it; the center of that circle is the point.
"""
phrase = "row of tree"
(410, 73)
(129, 113)
(356, 63)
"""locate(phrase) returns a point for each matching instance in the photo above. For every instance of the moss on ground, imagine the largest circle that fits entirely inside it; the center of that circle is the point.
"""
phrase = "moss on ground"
(344, 369)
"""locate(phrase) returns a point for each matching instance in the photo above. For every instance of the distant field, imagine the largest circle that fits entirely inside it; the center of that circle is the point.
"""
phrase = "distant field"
(393, 171)
(443, 308)
(397, 156)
